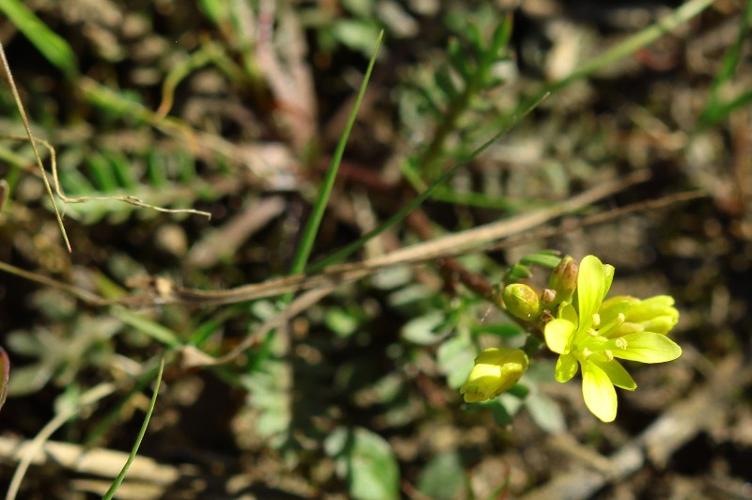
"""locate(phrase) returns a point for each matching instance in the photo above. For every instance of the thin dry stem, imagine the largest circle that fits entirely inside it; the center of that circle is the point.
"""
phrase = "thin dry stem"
(32, 450)
(163, 291)
(31, 138)
(131, 200)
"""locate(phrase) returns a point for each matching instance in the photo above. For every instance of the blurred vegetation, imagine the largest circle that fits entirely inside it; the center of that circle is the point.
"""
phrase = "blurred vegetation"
(310, 143)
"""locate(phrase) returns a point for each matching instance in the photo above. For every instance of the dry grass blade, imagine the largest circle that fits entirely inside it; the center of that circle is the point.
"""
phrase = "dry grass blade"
(31, 138)
(35, 446)
(131, 200)
(95, 461)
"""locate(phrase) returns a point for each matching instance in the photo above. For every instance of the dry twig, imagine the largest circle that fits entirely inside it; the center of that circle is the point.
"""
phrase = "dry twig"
(483, 238)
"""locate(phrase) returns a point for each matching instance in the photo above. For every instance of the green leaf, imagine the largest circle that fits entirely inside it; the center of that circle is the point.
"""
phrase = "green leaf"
(422, 330)
(102, 173)
(392, 277)
(456, 357)
(371, 469)
(147, 326)
(499, 412)
(341, 322)
(546, 413)
(122, 170)
(55, 49)
(458, 58)
(543, 259)
(516, 273)
(216, 10)
(444, 81)
(443, 477)
(29, 379)
(505, 330)
(356, 34)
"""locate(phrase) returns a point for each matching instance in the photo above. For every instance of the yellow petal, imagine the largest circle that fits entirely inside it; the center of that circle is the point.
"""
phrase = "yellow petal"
(618, 375)
(645, 347)
(566, 368)
(558, 333)
(567, 312)
(592, 281)
(598, 392)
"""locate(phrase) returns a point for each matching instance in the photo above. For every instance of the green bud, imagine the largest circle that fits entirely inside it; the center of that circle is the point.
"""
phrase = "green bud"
(521, 301)
(496, 370)
(563, 279)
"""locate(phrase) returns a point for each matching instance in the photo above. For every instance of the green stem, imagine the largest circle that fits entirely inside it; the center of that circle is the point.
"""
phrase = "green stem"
(312, 226)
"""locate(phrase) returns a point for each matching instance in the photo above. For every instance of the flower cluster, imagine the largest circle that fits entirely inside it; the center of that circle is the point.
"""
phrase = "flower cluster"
(586, 330)
(598, 332)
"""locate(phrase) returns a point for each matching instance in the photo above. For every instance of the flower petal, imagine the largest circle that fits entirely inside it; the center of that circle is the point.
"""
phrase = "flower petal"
(661, 324)
(645, 347)
(558, 333)
(599, 392)
(567, 312)
(609, 271)
(566, 368)
(618, 375)
(591, 288)
(659, 305)
(612, 306)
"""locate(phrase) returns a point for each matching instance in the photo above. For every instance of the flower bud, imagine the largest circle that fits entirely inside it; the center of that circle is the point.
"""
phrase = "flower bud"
(563, 279)
(496, 370)
(521, 301)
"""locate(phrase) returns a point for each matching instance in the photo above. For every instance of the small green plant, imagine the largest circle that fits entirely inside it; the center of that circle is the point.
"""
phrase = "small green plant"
(589, 332)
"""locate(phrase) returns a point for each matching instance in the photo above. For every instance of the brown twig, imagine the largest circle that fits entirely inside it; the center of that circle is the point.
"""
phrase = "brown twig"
(163, 291)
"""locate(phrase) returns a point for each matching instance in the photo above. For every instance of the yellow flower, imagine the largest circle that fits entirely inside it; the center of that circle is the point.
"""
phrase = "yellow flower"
(496, 370)
(598, 331)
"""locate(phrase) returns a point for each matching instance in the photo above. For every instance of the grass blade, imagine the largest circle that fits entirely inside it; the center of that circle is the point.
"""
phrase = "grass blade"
(716, 109)
(134, 451)
(312, 226)
(148, 327)
(50, 44)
